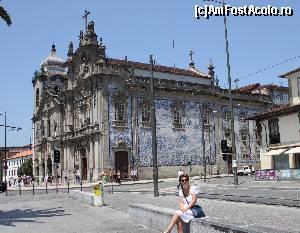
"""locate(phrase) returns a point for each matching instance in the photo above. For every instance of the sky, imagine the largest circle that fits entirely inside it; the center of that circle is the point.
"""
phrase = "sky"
(136, 29)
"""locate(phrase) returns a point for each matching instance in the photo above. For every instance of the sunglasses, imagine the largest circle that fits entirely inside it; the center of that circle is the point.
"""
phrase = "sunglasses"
(184, 181)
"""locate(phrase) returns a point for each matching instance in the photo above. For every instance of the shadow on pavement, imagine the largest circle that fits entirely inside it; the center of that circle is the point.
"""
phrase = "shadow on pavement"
(8, 218)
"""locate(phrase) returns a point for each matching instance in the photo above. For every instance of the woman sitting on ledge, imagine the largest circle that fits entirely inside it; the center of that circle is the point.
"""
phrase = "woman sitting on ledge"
(187, 198)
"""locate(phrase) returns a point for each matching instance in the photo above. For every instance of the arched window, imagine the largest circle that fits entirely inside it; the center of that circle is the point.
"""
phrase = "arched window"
(178, 111)
(146, 112)
(49, 127)
(37, 97)
(120, 109)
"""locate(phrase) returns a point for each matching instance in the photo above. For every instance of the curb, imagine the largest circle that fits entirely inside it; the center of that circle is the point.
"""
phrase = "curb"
(252, 199)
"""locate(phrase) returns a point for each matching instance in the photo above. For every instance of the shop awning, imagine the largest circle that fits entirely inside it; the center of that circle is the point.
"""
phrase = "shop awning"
(293, 150)
(275, 152)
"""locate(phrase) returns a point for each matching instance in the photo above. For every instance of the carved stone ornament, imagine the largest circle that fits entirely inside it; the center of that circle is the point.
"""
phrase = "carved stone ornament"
(70, 49)
(119, 97)
(90, 27)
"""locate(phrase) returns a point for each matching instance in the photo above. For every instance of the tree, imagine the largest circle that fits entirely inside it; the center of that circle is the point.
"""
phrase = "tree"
(25, 168)
(5, 16)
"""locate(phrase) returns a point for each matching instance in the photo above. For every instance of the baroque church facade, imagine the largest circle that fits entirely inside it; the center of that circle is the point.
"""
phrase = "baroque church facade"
(96, 111)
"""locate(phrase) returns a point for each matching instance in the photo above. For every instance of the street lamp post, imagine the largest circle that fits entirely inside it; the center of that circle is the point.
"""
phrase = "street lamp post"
(203, 143)
(153, 129)
(5, 149)
(235, 181)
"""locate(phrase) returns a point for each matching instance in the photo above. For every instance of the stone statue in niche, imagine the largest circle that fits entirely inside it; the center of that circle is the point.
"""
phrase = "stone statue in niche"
(90, 27)
(80, 35)
(70, 49)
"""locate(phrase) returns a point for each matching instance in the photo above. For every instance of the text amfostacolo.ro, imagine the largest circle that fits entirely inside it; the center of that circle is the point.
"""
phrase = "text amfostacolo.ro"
(206, 11)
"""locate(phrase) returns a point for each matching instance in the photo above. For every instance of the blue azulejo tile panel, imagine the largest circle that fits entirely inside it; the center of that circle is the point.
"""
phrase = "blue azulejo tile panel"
(119, 134)
(175, 147)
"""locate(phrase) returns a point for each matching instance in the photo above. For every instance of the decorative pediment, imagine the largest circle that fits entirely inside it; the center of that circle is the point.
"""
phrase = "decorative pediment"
(119, 97)
(121, 146)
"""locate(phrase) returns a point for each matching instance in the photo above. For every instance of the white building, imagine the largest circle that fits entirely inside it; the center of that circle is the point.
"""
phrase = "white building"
(15, 162)
(280, 133)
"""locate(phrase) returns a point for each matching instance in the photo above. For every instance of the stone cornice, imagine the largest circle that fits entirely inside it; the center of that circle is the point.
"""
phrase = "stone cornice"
(193, 89)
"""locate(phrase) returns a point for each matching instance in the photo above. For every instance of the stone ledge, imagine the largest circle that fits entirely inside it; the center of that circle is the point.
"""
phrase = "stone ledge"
(87, 198)
(158, 219)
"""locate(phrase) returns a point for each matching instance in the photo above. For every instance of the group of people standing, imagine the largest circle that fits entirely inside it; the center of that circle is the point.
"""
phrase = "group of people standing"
(116, 176)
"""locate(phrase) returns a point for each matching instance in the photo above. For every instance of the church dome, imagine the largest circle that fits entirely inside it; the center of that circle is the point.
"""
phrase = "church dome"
(53, 63)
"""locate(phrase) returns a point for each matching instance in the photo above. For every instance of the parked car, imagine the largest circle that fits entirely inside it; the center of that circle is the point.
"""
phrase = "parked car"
(244, 171)
(2, 186)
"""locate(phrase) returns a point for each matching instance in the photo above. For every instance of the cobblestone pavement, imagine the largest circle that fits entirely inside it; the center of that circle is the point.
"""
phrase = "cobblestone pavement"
(58, 213)
(276, 217)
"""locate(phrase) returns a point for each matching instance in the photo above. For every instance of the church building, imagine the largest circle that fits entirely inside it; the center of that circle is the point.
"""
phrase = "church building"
(96, 111)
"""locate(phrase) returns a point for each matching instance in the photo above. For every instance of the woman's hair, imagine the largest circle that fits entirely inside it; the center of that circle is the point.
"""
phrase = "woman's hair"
(183, 175)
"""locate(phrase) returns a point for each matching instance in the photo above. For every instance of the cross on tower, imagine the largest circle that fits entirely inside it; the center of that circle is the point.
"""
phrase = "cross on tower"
(192, 64)
(191, 55)
(86, 13)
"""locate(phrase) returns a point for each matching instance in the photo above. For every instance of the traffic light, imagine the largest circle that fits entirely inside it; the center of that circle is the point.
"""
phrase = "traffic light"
(56, 156)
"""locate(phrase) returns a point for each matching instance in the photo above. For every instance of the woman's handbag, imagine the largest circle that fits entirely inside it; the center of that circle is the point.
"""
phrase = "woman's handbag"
(197, 211)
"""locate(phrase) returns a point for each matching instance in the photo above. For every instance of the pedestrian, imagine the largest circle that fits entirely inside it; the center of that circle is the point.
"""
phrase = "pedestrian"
(118, 177)
(180, 173)
(135, 174)
(65, 177)
(131, 174)
(187, 199)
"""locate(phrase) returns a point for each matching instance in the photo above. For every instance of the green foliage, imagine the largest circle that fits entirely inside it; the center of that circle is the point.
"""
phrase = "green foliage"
(5, 16)
(25, 168)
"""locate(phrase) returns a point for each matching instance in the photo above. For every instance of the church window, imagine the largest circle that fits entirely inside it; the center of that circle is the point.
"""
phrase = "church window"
(49, 127)
(227, 117)
(42, 129)
(119, 111)
(243, 118)
(145, 113)
(37, 97)
(244, 138)
(206, 117)
(178, 113)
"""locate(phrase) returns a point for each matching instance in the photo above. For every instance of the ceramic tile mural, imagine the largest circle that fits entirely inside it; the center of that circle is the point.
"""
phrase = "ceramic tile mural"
(116, 134)
(175, 147)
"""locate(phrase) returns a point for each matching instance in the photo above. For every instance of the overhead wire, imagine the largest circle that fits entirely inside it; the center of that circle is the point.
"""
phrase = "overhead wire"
(268, 67)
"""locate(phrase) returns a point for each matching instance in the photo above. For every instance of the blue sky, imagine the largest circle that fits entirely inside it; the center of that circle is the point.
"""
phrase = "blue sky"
(137, 28)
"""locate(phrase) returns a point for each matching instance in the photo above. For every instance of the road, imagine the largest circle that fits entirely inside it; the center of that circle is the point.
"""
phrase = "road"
(273, 217)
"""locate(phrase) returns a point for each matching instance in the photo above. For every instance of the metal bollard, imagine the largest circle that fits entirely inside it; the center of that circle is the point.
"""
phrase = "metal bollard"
(47, 187)
(68, 186)
(33, 189)
(20, 188)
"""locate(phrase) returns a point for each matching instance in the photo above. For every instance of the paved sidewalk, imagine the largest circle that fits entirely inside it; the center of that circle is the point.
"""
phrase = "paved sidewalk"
(59, 213)
(276, 217)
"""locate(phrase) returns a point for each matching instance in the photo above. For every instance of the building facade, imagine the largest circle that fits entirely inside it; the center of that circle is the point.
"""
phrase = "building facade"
(96, 111)
(14, 162)
(280, 148)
